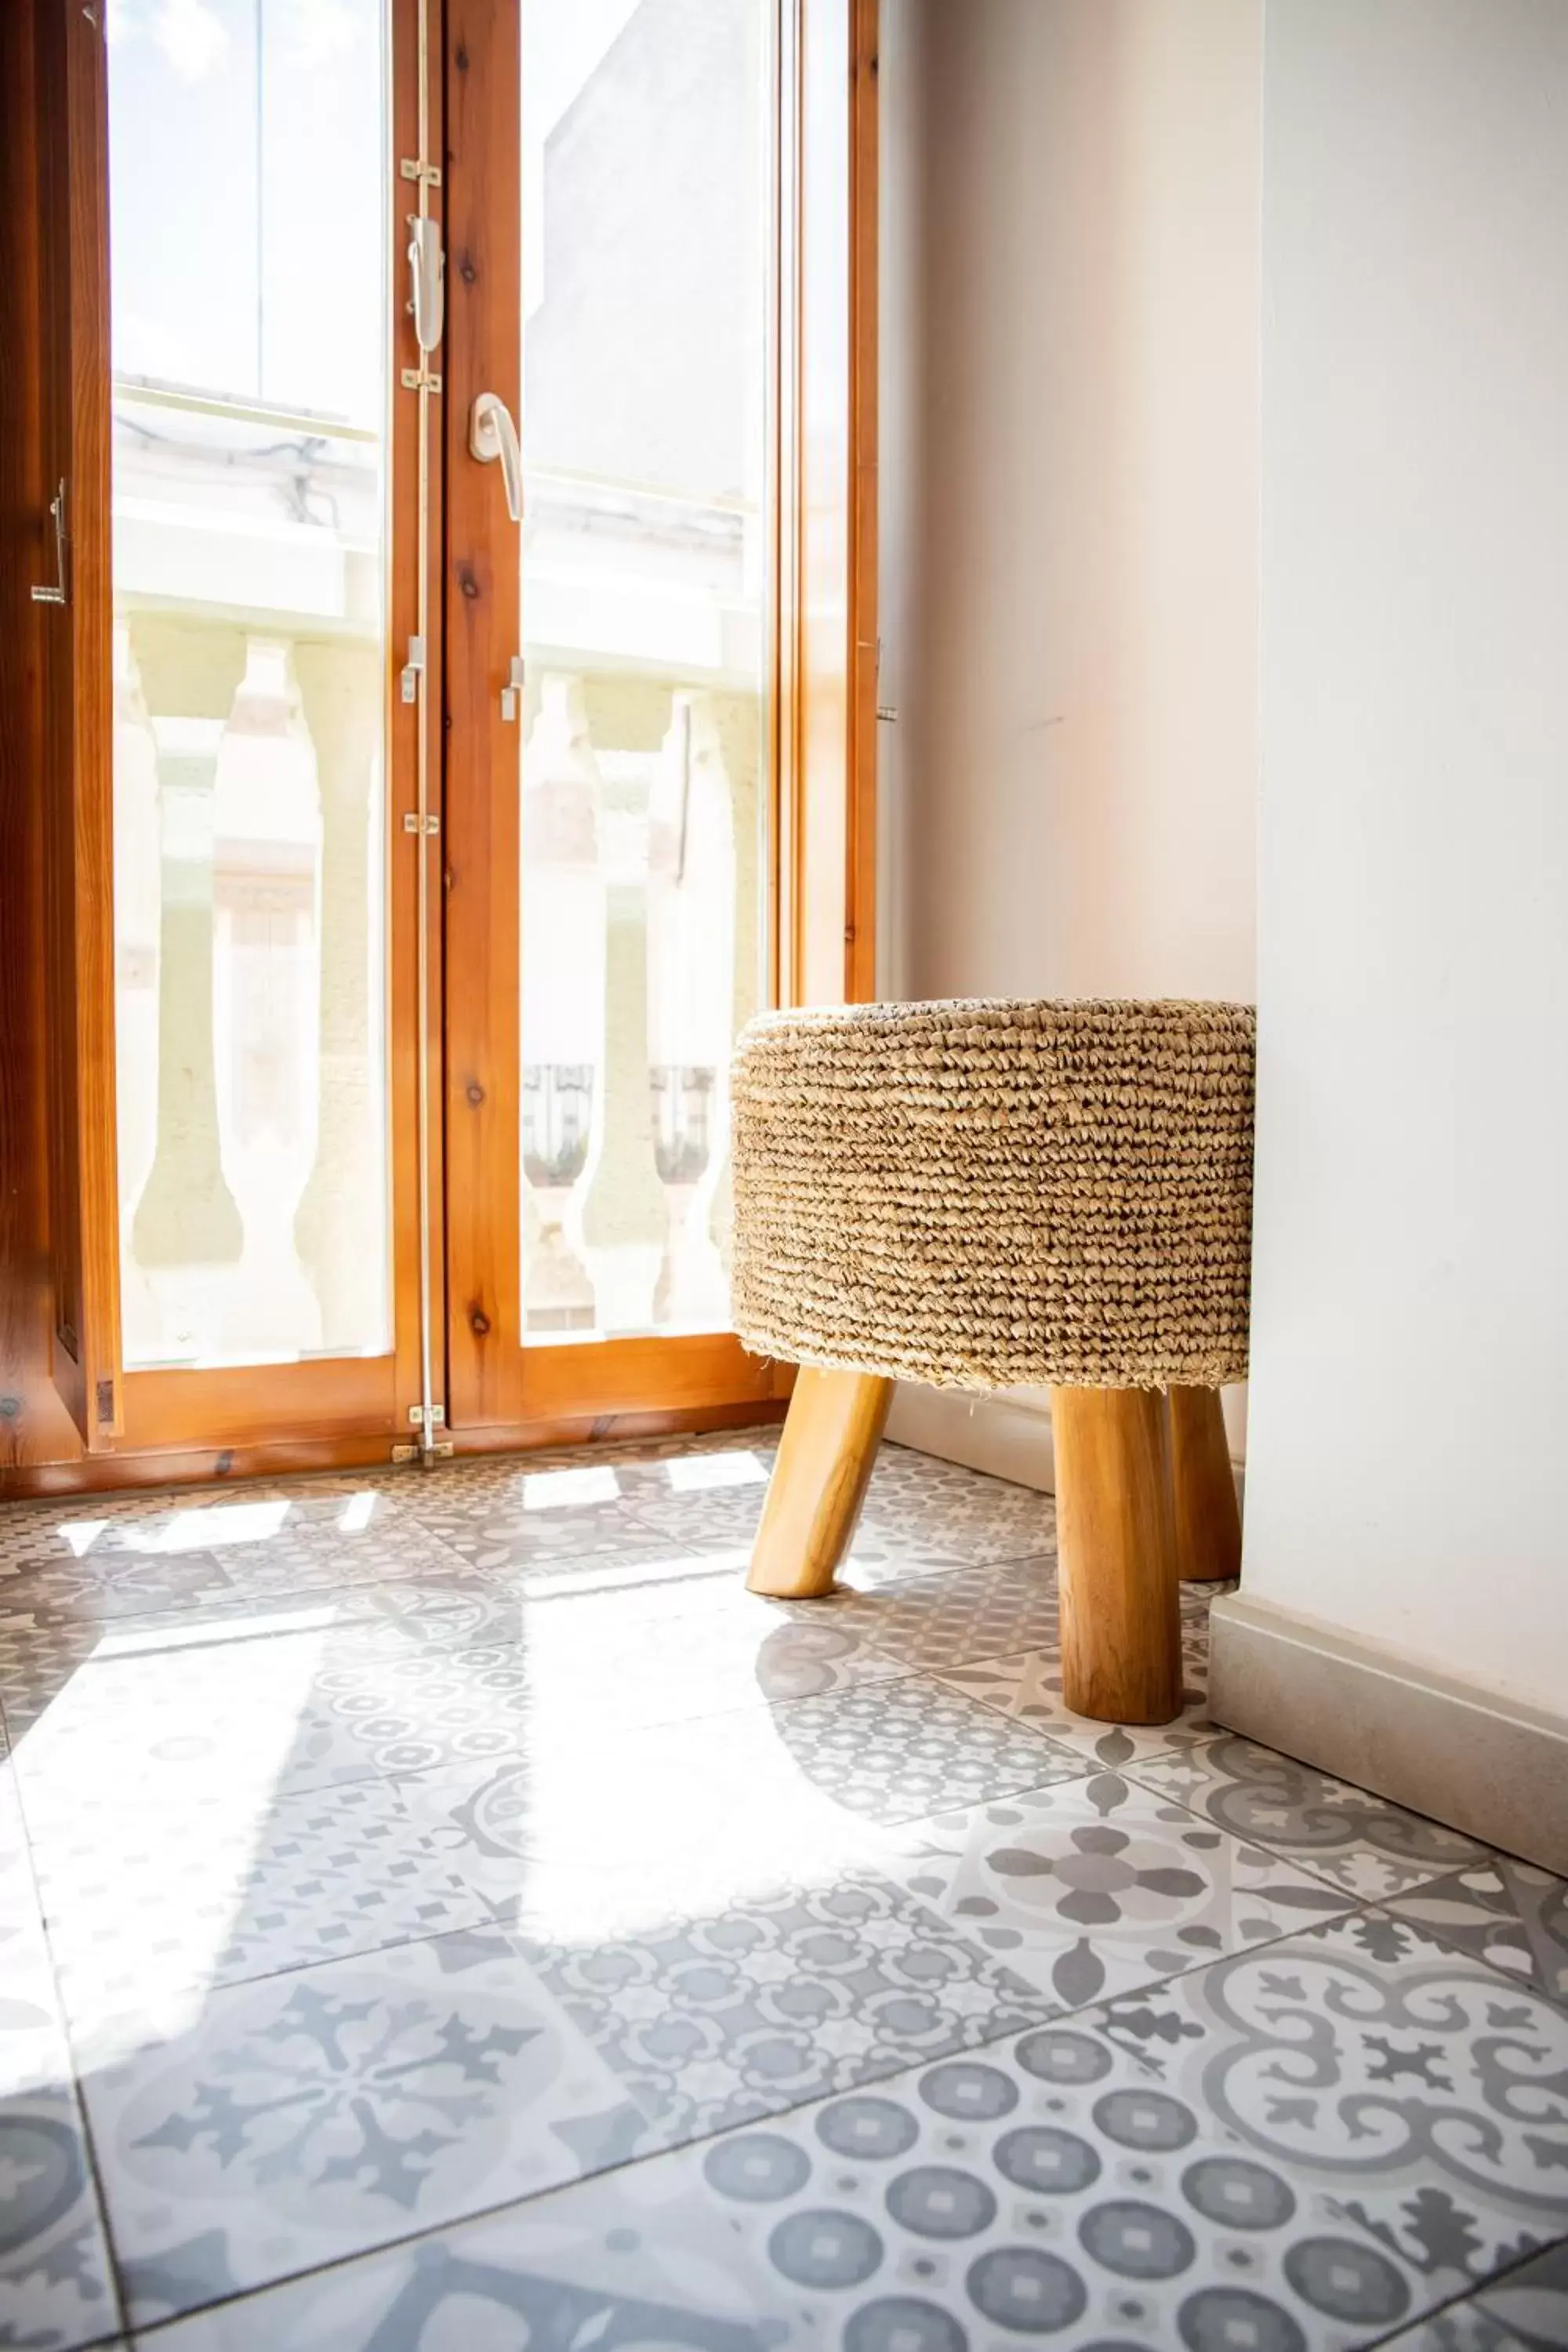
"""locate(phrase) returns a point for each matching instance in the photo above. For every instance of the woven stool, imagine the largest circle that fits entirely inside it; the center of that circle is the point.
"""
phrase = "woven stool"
(988, 1193)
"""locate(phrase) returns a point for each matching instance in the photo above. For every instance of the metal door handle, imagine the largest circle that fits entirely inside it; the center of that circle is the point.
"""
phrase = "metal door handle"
(491, 434)
(427, 279)
(56, 594)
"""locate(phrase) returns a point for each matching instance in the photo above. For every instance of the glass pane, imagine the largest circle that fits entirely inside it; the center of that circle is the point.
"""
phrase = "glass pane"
(248, 302)
(645, 564)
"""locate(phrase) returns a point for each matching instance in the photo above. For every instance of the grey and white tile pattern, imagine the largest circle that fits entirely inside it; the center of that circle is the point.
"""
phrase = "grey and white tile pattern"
(502, 1520)
(1525, 2310)
(932, 1622)
(951, 1513)
(919, 1514)
(56, 2287)
(774, 2001)
(166, 1901)
(1507, 1913)
(1531, 2304)
(1429, 2091)
(447, 1909)
(290, 1713)
(293, 2121)
(1029, 1688)
(895, 1751)
(1036, 2190)
(450, 1610)
(1097, 1885)
(1365, 1843)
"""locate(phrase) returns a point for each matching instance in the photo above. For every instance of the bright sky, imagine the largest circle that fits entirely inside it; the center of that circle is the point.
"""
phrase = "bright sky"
(259, 271)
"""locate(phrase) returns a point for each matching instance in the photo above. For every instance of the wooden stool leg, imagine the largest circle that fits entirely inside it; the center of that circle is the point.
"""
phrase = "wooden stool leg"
(1208, 1523)
(826, 1451)
(1120, 1624)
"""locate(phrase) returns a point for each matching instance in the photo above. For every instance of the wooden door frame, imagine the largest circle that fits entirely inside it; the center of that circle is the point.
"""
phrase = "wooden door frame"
(825, 652)
(72, 570)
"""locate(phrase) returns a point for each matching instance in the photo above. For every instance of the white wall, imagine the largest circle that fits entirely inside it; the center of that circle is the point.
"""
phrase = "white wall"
(1069, 525)
(1410, 1361)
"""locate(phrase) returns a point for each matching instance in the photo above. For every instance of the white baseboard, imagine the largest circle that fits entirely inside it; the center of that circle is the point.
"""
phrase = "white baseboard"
(1008, 1434)
(1448, 1748)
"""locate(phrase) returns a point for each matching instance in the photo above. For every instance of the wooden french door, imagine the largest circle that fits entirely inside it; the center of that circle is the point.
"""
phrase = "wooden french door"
(661, 674)
(248, 575)
(449, 845)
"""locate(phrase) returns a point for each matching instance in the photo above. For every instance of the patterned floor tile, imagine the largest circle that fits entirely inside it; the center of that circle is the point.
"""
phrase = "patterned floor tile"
(659, 1580)
(511, 1519)
(309, 2116)
(919, 1513)
(68, 1527)
(935, 1622)
(678, 1464)
(165, 1902)
(739, 1654)
(56, 2291)
(1464, 2326)
(1197, 1600)
(730, 1480)
(771, 2002)
(893, 1751)
(1505, 1912)
(222, 1720)
(235, 1717)
(568, 1849)
(1362, 1842)
(1428, 2095)
(703, 1519)
(1029, 1688)
(666, 1823)
(954, 1513)
(1531, 2303)
(132, 1560)
(1040, 2190)
(296, 1543)
(638, 1831)
(1471, 2325)
(627, 2267)
(1092, 1887)
(248, 1715)
(451, 1610)
(109, 1585)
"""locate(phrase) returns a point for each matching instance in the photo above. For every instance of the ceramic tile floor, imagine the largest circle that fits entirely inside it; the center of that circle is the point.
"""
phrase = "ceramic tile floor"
(445, 1911)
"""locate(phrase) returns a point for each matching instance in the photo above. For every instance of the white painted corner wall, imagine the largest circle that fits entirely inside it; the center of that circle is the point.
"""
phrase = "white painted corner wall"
(1410, 1350)
(1068, 471)
(1072, 472)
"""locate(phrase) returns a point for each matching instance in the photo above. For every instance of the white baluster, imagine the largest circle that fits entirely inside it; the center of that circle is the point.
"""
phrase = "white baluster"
(563, 980)
(267, 978)
(187, 1232)
(341, 1231)
(138, 921)
(625, 1222)
(690, 981)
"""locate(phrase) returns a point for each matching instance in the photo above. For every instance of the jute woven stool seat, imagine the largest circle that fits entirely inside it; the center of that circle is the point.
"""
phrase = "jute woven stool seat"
(980, 1194)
